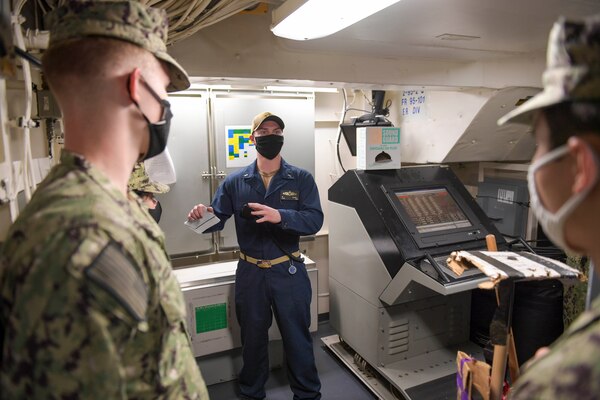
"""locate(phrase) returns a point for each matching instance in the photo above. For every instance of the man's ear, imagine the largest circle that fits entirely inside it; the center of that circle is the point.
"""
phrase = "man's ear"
(252, 140)
(134, 85)
(586, 166)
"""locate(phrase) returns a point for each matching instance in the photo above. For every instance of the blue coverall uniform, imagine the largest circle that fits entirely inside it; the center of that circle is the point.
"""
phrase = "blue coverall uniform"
(260, 293)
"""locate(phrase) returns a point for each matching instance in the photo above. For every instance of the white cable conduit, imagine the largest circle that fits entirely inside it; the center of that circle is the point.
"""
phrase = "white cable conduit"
(185, 14)
(338, 157)
(18, 6)
(11, 184)
(185, 17)
(194, 12)
(27, 163)
(36, 39)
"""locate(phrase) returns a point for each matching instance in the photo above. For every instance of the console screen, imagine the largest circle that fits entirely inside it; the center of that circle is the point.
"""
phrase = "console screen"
(432, 210)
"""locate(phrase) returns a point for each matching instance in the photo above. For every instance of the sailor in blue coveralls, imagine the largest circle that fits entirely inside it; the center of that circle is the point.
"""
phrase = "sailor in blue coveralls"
(282, 204)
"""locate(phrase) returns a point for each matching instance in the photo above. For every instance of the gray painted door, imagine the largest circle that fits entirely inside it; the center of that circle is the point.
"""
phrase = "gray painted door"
(238, 108)
(188, 146)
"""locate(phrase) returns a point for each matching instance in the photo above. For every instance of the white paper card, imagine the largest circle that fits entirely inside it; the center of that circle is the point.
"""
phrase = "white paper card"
(200, 225)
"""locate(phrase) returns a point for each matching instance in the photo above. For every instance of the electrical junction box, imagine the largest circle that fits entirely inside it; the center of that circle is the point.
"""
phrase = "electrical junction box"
(506, 203)
(47, 105)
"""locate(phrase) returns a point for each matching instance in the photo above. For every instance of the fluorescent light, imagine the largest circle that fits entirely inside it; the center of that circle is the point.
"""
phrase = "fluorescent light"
(312, 19)
(300, 89)
(199, 86)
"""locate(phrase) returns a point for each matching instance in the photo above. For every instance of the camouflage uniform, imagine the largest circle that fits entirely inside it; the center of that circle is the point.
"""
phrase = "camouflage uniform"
(139, 180)
(89, 306)
(572, 73)
(72, 330)
(571, 369)
(124, 20)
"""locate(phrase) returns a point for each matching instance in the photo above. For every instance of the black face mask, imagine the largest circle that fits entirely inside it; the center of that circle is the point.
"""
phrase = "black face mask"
(156, 212)
(159, 131)
(269, 146)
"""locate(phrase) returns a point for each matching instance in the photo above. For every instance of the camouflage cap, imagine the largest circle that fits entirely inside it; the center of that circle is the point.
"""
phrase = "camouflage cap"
(266, 116)
(125, 20)
(573, 68)
(139, 180)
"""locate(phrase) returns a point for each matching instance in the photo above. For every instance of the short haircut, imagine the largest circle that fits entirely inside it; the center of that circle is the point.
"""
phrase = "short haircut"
(142, 194)
(89, 60)
(571, 119)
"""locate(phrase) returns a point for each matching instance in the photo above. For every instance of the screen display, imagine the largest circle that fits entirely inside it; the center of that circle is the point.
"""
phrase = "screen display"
(432, 210)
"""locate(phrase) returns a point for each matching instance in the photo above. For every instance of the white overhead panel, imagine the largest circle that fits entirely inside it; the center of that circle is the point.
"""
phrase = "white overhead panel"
(469, 30)
(460, 125)
(484, 140)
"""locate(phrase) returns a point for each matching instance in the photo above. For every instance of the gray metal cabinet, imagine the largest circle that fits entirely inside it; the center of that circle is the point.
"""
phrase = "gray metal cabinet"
(188, 146)
(198, 146)
(238, 108)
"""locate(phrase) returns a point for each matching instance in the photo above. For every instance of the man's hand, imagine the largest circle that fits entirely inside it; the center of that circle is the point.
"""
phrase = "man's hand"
(541, 352)
(265, 213)
(198, 211)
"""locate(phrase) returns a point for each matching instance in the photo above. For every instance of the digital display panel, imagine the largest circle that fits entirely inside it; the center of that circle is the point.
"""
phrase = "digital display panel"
(432, 210)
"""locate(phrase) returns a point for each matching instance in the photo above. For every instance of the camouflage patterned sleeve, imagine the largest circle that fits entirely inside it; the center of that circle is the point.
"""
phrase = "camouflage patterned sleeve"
(4, 300)
(61, 342)
(570, 370)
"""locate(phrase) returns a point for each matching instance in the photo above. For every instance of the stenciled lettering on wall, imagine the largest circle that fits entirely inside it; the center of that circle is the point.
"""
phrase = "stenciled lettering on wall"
(413, 103)
(240, 151)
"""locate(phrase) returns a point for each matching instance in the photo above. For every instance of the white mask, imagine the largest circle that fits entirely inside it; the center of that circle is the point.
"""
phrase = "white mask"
(554, 224)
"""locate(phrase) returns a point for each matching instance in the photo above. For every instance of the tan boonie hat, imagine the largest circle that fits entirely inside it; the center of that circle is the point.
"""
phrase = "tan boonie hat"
(124, 20)
(573, 68)
(139, 180)
(266, 116)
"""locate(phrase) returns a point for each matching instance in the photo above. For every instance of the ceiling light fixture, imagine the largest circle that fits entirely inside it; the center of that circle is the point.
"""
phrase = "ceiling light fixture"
(312, 19)
(200, 86)
(300, 89)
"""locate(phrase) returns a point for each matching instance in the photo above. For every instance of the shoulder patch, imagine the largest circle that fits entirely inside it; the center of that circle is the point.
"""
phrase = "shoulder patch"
(114, 271)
